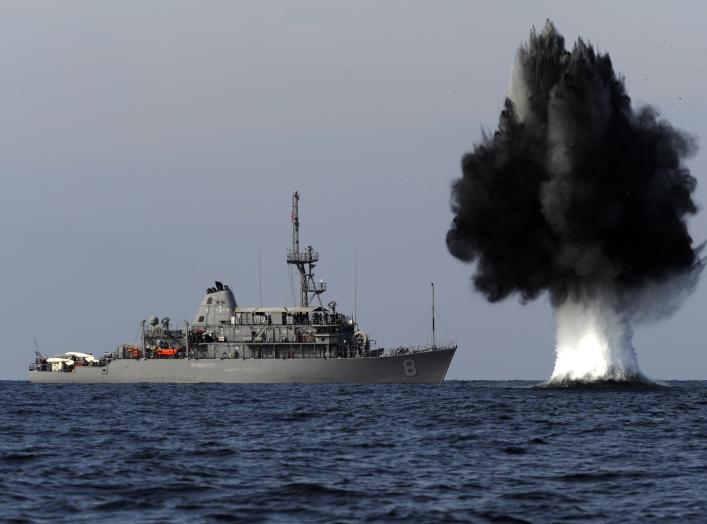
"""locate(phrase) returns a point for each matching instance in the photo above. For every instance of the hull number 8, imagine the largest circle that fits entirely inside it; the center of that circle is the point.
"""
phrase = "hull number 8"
(409, 368)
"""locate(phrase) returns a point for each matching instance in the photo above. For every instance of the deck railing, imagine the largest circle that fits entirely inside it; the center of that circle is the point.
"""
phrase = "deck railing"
(305, 257)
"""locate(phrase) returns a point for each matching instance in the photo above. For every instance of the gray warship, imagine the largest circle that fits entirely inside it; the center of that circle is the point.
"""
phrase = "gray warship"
(309, 343)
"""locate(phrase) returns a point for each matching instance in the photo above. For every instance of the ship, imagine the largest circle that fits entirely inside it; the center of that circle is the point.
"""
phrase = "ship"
(310, 343)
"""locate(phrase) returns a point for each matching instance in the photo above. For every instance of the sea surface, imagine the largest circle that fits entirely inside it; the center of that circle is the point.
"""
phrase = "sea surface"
(458, 452)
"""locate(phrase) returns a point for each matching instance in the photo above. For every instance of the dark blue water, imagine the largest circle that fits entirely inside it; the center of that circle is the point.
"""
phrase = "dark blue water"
(460, 452)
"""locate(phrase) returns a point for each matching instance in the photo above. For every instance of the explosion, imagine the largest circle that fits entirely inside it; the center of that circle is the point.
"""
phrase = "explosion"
(578, 194)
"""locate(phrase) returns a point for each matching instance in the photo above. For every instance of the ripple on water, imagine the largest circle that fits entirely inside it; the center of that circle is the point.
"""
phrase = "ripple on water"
(463, 451)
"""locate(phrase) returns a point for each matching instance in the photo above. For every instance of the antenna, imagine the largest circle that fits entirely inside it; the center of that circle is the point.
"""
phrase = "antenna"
(433, 315)
(36, 345)
(260, 282)
(356, 289)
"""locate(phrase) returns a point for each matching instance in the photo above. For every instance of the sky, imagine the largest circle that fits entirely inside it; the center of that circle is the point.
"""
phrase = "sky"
(149, 148)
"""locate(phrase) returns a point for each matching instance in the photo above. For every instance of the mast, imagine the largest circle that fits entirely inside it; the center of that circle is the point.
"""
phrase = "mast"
(305, 261)
(295, 222)
(260, 281)
(355, 317)
(433, 315)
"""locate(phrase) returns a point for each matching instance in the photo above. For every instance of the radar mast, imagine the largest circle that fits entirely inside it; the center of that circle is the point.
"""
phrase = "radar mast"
(305, 261)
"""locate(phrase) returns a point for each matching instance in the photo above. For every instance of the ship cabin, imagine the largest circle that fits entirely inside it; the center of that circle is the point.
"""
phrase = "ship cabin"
(223, 329)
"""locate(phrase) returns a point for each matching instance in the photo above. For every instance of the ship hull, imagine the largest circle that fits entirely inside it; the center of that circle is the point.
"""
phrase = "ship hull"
(428, 367)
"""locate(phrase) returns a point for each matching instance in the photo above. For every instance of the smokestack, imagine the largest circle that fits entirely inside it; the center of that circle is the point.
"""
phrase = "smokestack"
(580, 195)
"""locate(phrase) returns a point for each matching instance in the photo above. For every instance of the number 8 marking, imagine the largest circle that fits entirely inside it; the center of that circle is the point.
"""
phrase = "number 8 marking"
(409, 368)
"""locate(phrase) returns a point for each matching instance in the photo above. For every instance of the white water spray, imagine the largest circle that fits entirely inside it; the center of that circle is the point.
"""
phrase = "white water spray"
(593, 340)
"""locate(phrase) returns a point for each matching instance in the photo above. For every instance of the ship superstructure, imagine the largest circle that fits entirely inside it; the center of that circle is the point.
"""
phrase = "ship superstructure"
(225, 342)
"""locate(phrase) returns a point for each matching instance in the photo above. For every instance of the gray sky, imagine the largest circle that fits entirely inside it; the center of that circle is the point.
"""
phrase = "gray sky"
(149, 148)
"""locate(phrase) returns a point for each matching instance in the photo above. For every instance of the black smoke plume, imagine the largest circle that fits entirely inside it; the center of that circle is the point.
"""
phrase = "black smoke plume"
(574, 186)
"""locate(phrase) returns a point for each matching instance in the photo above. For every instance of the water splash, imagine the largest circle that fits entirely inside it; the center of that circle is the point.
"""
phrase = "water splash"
(594, 340)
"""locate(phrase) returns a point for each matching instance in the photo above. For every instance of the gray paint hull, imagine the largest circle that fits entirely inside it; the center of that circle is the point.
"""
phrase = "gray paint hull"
(419, 368)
